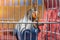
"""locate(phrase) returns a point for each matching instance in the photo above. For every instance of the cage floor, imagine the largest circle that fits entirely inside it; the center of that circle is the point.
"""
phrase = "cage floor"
(41, 36)
(8, 36)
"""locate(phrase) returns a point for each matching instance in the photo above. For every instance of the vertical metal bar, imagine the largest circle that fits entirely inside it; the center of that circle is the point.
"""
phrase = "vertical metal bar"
(27, 19)
(13, 32)
(59, 23)
(37, 18)
(42, 8)
(59, 4)
(13, 9)
(13, 5)
(56, 3)
(19, 32)
(50, 32)
(2, 32)
(55, 33)
(7, 19)
(10, 5)
(58, 30)
(31, 4)
(10, 2)
(0, 2)
(56, 24)
(8, 13)
(47, 20)
(19, 9)
(52, 4)
(7, 30)
(25, 32)
(5, 5)
(14, 16)
(42, 17)
(4, 2)
(19, 17)
(52, 20)
(2, 19)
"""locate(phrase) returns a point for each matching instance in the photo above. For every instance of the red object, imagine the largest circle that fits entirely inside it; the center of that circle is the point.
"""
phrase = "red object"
(51, 3)
(52, 28)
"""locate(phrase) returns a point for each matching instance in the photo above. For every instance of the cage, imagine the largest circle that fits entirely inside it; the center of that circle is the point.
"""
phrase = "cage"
(29, 19)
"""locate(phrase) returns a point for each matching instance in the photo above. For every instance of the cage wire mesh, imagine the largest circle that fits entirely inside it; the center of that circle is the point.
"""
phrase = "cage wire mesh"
(17, 14)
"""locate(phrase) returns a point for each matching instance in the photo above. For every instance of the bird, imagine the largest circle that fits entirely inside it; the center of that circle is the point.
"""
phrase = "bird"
(19, 29)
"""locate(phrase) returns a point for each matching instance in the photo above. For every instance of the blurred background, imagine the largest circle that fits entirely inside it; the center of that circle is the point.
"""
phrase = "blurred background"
(11, 9)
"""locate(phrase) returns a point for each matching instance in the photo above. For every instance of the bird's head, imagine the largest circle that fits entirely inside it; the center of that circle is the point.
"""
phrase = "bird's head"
(32, 15)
